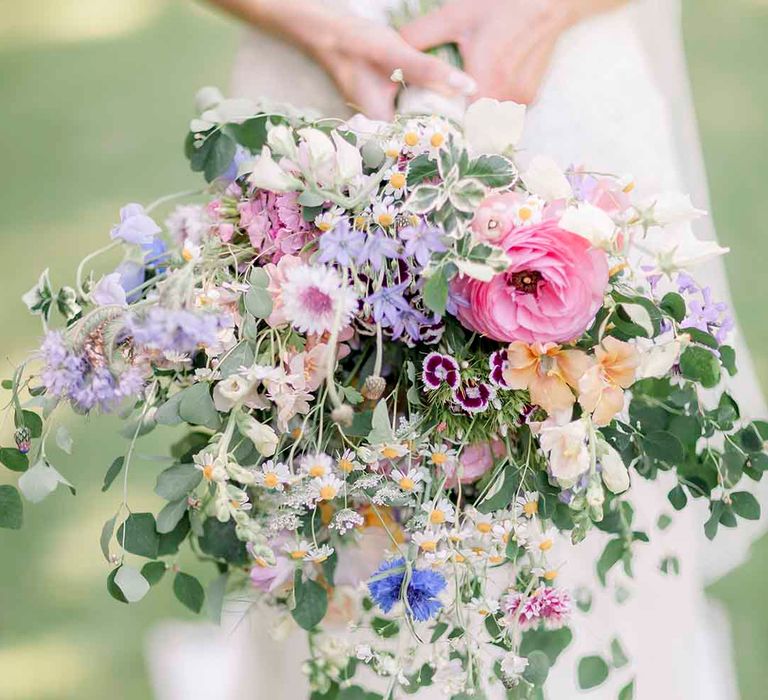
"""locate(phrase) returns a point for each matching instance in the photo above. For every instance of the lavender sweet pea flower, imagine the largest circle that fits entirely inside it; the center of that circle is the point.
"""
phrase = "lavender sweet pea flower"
(132, 276)
(422, 241)
(109, 291)
(343, 244)
(135, 226)
(174, 330)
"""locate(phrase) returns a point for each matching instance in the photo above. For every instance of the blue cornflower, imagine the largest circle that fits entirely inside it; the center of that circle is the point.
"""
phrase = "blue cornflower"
(423, 240)
(378, 247)
(343, 244)
(423, 588)
(388, 304)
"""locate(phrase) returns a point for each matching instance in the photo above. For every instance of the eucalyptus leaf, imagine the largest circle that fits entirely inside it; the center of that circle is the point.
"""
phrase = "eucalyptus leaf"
(138, 535)
(13, 459)
(177, 481)
(258, 302)
(114, 469)
(64, 439)
(188, 591)
(196, 406)
(592, 672)
(436, 291)
(131, 583)
(11, 508)
(311, 602)
(214, 597)
(170, 515)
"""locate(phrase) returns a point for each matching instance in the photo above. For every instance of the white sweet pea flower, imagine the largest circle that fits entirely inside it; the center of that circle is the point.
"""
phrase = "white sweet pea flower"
(232, 111)
(491, 126)
(513, 667)
(475, 270)
(266, 174)
(675, 247)
(349, 162)
(590, 222)
(281, 139)
(657, 359)
(207, 98)
(614, 472)
(261, 435)
(319, 148)
(545, 178)
(566, 448)
(673, 208)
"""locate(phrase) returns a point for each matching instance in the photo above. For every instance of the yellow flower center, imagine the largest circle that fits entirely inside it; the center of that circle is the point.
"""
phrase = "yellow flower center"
(327, 492)
(346, 465)
(437, 517)
(390, 453)
(296, 433)
(439, 458)
(483, 528)
(629, 187)
(208, 472)
(397, 180)
(298, 553)
(317, 470)
(186, 254)
(406, 483)
(428, 545)
(459, 558)
(324, 226)
(386, 220)
(411, 138)
(550, 575)
(436, 140)
(546, 545)
(530, 508)
(525, 213)
(360, 222)
(392, 152)
(271, 480)
(495, 559)
(261, 561)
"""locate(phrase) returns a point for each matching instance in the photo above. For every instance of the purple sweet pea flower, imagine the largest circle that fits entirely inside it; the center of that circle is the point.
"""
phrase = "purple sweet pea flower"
(135, 226)
(131, 278)
(109, 291)
(343, 244)
(422, 241)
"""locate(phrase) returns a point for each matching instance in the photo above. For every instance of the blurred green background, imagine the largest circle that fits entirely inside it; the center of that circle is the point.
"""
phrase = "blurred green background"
(95, 96)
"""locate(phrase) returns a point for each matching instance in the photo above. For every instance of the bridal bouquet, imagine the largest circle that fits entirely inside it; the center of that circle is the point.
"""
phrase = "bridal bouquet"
(411, 374)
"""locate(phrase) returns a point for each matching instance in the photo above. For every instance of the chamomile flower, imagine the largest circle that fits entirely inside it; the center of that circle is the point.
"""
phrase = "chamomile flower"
(273, 476)
(529, 211)
(384, 213)
(427, 540)
(328, 219)
(191, 252)
(541, 542)
(440, 512)
(392, 148)
(297, 550)
(483, 523)
(441, 456)
(508, 529)
(484, 606)
(213, 467)
(527, 504)
(408, 481)
(437, 558)
(396, 182)
(238, 499)
(327, 488)
(434, 138)
(316, 465)
(347, 462)
(319, 554)
(391, 450)
(412, 139)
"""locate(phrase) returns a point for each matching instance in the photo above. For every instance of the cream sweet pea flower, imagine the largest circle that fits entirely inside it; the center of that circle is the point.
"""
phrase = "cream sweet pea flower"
(657, 359)
(614, 472)
(590, 222)
(281, 139)
(566, 447)
(263, 437)
(349, 162)
(265, 174)
(491, 126)
(673, 208)
(545, 178)
(675, 247)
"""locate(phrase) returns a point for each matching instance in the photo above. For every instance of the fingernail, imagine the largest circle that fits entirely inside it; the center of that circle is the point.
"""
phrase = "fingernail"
(462, 82)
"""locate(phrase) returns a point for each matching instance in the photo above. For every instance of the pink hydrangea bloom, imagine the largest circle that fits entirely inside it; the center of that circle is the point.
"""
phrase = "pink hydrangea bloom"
(551, 291)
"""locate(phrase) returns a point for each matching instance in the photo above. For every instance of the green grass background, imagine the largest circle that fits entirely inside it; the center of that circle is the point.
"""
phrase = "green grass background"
(95, 96)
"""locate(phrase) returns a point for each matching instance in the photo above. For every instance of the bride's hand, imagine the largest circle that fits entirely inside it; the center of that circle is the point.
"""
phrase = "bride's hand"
(358, 54)
(361, 57)
(506, 44)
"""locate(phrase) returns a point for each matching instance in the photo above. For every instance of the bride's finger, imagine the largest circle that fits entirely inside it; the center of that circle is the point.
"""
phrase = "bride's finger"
(429, 72)
(442, 26)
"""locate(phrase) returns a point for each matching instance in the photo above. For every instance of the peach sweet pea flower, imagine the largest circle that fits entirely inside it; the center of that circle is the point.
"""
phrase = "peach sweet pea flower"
(547, 371)
(601, 389)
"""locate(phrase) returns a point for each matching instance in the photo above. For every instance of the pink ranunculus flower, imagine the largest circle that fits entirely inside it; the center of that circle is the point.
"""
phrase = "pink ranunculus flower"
(474, 461)
(551, 291)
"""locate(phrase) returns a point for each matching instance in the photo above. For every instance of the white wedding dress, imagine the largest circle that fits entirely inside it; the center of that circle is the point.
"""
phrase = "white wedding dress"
(616, 99)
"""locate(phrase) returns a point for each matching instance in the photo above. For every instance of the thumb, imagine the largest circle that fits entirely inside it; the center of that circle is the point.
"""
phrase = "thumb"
(442, 26)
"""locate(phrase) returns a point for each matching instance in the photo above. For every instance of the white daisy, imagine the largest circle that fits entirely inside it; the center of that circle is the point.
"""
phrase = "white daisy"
(319, 554)
(435, 138)
(396, 182)
(327, 488)
(412, 143)
(273, 476)
(213, 467)
(384, 213)
(440, 512)
(529, 211)
(317, 465)
(313, 297)
(427, 540)
(408, 481)
(328, 219)
(297, 550)
(527, 504)
(541, 542)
